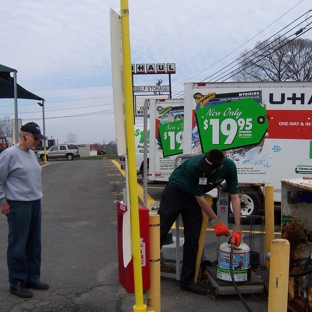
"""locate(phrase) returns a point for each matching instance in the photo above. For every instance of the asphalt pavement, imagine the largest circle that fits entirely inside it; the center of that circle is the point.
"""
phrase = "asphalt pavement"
(79, 250)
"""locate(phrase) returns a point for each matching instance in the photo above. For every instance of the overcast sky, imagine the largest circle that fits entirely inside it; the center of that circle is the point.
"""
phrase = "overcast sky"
(61, 50)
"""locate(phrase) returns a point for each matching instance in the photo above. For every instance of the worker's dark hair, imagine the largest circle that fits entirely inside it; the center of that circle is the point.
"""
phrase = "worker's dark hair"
(216, 157)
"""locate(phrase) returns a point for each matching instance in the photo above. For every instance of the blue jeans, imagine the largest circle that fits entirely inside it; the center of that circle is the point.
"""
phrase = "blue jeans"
(24, 242)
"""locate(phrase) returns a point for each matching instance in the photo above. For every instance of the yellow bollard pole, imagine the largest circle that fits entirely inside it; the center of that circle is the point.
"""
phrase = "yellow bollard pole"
(131, 166)
(202, 237)
(153, 294)
(44, 154)
(269, 218)
(279, 274)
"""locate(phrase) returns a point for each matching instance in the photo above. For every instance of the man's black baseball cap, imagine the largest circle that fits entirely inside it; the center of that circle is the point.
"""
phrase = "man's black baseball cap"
(211, 161)
(34, 129)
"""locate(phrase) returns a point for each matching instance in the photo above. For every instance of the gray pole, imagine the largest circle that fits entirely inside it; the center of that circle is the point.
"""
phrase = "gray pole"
(43, 128)
(145, 170)
(170, 91)
(15, 107)
(43, 118)
(44, 133)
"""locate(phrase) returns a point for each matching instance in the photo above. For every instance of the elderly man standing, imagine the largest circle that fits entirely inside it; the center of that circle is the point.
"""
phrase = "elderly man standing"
(20, 201)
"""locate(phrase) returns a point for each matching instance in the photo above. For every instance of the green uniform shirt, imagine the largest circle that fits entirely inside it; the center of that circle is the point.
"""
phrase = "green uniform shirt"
(189, 178)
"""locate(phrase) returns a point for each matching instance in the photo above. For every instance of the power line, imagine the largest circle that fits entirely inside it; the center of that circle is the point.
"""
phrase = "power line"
(180, 94)
(69, 108)
(246, 41)
(267, 53)
(267, 43)
(63, 101)
(77, 115)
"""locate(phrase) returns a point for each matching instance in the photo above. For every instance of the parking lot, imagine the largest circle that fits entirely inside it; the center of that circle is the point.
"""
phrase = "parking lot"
(79, 241)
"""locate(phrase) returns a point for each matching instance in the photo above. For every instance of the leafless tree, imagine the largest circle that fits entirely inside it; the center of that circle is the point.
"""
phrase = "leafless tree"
(71, 137)
(280, 59)
(6, 126)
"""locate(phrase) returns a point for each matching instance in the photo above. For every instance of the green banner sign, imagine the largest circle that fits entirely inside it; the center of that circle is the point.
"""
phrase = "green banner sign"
(231, 125)
(171, 136)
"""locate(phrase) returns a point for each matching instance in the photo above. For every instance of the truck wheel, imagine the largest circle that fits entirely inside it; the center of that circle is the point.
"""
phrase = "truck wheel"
(69, 156)
(145, 175)
(250, 205)
(42, 157)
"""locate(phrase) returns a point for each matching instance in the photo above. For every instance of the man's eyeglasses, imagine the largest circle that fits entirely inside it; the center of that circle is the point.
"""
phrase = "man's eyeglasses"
(32, 137)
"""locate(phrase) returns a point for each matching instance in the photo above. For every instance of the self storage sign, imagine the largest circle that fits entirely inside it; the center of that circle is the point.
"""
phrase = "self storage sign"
(231, 125)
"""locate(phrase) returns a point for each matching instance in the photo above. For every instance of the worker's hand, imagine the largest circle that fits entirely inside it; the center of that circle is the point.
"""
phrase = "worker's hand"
(219, 227)
(236, 235)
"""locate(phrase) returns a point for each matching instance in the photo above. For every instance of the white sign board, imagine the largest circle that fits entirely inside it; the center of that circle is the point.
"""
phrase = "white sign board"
(117, 79)
(156, 88)
(139, 103)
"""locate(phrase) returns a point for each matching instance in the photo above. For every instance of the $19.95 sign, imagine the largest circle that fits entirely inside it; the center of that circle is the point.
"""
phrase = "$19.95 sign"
(171, 137)
(231, 125)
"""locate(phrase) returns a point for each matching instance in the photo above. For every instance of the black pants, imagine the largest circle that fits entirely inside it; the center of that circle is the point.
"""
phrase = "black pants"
(174, 202)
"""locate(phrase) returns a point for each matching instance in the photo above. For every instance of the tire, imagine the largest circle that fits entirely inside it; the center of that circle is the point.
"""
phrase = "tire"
(69, 156)
(42, 157)
(143, 174)
(251, 203)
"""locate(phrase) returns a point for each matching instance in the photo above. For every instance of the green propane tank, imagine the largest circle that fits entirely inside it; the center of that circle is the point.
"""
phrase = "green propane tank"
(240, 263)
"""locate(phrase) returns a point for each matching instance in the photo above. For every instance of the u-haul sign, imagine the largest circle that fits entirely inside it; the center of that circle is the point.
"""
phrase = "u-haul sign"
(151, 68)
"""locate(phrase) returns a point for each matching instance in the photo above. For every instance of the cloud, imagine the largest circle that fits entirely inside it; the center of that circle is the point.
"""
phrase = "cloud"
(61, 50)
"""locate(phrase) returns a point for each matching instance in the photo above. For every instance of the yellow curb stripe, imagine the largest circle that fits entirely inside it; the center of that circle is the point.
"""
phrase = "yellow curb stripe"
(150, 200)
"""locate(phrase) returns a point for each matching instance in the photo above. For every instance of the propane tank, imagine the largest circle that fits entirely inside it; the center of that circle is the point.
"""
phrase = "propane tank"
(240, 263)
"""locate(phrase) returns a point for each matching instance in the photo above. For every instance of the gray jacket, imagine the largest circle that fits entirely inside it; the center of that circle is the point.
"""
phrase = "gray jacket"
(20, 175)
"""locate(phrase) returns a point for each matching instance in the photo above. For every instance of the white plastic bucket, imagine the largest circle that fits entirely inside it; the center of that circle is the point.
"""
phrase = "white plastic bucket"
(240, 263)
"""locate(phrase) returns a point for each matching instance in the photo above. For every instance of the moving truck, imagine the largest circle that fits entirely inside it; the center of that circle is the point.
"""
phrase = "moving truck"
(159, 167)
(139, 136)
(285, 151)
(163, 113)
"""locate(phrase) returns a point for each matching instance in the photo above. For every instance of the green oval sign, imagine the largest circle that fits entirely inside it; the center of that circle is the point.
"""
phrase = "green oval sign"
(231, 125)
(171, 137)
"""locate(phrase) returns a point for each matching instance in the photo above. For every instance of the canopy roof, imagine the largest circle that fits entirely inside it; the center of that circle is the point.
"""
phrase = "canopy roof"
(7, 69)
(7, 86)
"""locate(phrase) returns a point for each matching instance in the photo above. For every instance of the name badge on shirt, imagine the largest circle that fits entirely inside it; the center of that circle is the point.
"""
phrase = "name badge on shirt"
(202, 181)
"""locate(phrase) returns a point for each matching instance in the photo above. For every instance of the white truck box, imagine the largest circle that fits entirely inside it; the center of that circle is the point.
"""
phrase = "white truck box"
(162, 112)
(139, 135)
(286, 150)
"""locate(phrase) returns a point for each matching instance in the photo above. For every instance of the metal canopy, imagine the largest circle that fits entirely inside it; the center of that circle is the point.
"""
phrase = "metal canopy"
(9, 89)
(7, 86)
